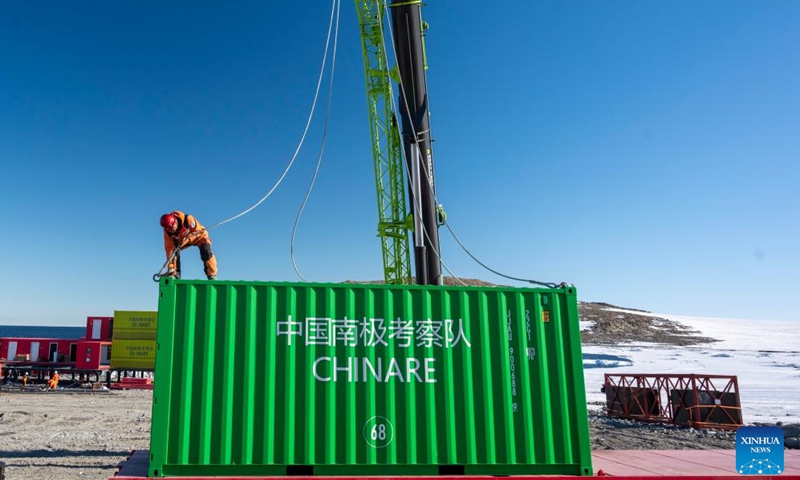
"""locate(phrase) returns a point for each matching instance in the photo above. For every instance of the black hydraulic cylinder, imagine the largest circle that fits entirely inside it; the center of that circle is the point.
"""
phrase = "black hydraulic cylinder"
(407, 27)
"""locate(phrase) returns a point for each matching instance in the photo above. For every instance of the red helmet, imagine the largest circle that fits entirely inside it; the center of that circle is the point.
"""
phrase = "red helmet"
(169, 222)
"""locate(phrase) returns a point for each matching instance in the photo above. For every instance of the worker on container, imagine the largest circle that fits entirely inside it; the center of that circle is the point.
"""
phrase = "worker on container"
(180, 231)
(53, 383)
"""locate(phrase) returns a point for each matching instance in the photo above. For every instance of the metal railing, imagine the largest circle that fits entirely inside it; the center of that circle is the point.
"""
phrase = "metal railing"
(699, 401)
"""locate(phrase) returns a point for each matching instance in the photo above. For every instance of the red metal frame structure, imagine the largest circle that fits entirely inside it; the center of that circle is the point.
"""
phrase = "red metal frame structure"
(699, 401)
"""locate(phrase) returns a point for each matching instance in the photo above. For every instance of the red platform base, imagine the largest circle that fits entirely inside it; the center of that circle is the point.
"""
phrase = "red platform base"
(629, 464)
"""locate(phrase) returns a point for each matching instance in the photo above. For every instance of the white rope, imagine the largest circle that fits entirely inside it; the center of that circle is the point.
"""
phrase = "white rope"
(163, 269)
(305, 131)
(319, 159)
(322, 146)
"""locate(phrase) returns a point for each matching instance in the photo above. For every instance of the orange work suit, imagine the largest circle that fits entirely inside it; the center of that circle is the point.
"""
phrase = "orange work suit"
(53, 384)
(190, 232)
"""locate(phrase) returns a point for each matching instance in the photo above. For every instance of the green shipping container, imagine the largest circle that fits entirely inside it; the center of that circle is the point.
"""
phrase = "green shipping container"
(257, 378)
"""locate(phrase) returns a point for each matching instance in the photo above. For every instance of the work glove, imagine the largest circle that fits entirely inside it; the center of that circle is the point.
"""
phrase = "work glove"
(173, 273)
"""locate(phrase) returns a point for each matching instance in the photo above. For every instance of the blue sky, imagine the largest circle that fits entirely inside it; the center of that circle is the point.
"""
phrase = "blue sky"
(645, 151)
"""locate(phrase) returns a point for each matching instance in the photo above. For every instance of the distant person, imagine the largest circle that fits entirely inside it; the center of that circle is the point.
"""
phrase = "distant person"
(53, 383)
(25, 379)
(182, 230)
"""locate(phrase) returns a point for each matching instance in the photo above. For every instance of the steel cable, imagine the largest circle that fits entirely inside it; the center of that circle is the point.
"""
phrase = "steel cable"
(433, 191)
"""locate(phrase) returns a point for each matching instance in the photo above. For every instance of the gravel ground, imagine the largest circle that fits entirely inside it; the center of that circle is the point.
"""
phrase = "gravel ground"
(618, 434)
(62, 435)
(71, 435)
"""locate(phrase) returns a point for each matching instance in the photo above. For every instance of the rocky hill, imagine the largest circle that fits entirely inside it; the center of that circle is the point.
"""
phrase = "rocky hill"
(612, 325)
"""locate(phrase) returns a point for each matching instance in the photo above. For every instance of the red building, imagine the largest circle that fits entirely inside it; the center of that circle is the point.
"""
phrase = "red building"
(99, 328)
(38, 349)
(93, 355)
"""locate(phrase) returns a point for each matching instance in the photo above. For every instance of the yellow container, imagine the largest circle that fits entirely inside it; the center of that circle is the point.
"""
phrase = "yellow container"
(134, 325)
(134, 354)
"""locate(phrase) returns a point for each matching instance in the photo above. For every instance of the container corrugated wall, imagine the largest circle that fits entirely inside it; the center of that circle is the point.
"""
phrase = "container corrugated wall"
(256, 378)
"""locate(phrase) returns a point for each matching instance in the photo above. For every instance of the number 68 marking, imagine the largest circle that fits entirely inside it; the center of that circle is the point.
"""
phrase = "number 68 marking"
(378, 432)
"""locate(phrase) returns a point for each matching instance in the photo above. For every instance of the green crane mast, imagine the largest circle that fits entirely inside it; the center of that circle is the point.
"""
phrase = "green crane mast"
(394, 221)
